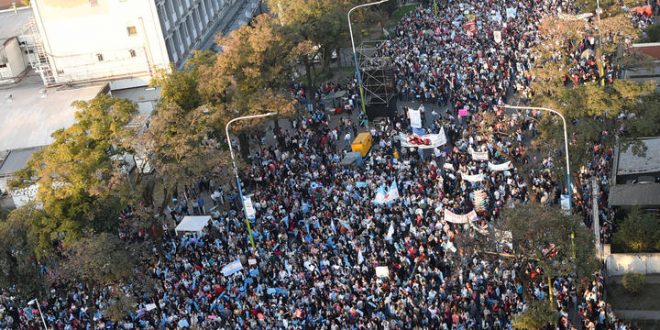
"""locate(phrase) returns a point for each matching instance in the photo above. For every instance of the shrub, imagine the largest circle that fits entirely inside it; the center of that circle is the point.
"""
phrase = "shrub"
(639, 232)
(634, 282)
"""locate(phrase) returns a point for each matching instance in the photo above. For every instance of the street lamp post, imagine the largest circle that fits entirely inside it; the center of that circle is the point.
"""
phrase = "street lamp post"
(568, 169)
(238, 179)
(35, 301)
(355, 58)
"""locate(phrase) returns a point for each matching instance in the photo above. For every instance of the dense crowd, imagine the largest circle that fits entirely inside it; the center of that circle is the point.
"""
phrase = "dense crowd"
(322, 244)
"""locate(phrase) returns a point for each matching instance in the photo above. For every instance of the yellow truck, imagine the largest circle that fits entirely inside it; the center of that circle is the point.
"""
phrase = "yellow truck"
(362, 143)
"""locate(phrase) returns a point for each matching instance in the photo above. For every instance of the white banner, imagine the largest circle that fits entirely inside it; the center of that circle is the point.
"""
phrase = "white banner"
(460, 218)
(499, 167)
(472, 178)
(479, 155)
(250, 213)
(511, 12)
(415, 117)
(428, 141)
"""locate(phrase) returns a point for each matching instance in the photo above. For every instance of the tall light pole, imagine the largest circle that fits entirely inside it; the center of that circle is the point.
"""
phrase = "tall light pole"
(568, 168)
(35, 301)
(355, 58)
(238, 179)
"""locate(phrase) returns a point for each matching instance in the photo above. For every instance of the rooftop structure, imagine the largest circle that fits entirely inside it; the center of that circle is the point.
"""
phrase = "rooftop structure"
(636, 175)
(13, 60)
(30, 113)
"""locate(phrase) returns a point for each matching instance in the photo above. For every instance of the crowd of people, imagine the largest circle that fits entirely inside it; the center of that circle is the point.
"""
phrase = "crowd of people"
(325, 255)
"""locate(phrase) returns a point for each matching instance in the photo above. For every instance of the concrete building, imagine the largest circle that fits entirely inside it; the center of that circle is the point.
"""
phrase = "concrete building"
(122, 41)
(13, 61)
(635, 178)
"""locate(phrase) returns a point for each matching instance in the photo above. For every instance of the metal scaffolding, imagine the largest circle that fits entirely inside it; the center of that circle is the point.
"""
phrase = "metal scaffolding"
(377, 74)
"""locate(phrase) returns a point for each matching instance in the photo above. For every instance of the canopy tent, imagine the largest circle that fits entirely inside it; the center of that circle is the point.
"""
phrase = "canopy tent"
(193, 224)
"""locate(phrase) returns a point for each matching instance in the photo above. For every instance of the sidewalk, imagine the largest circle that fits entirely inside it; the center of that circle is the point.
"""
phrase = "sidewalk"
(627, 314)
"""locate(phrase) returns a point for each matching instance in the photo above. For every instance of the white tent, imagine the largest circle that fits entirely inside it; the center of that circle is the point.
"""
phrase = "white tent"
(193, 224)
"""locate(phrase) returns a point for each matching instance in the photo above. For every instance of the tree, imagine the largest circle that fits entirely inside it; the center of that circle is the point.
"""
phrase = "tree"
(639, 232)
(538, 315)
(76, 174)
(181, 86)
(96, 259)
(18, 262)
(559, 244)
(179, 146)
(250, 76)
(321, 23)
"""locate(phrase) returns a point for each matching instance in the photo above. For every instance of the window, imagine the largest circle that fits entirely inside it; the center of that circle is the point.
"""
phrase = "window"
(99, 57)
(131, 31)
(132, 52)
(3, 65)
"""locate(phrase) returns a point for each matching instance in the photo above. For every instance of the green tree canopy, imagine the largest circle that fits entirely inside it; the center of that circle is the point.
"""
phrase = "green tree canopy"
(76, 174)
(639, 232)
(535, 230)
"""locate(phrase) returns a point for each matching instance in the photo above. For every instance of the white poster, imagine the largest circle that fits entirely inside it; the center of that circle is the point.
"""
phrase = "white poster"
(497, 36)
(479, 155)
(415, 118)
(472, 177)
(382, 271)
(428, 141)
(460, 218)
(499, 167)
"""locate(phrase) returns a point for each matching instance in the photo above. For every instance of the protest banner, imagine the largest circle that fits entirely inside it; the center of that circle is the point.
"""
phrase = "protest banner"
(479, 155)
(499, 167)
(460, 218)
(428, 141)
(472, 177)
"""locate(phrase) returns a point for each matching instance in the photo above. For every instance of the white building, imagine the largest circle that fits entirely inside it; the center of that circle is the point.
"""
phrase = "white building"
(123, 41)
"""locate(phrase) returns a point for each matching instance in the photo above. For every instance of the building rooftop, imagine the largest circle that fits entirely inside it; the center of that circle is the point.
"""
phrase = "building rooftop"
(13, 22)
(645, 195)
(30, 113)
(629, 163)
(16, 160)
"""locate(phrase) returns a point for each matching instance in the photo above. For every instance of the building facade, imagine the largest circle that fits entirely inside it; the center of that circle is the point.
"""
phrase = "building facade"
(123, 41)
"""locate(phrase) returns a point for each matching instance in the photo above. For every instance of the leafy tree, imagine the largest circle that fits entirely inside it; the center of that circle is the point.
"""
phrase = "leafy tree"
(18, 262)
(538, 315)
(250, 76)
(639, 232)
(181, 86)
(559, 244)
(96, 259)
(179, 147)
(634, 282)
(322, 23)
(76, 174)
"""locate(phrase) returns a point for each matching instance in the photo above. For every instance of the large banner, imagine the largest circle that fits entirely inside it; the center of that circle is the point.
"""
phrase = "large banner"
(460, 218)
(415, 117)
(479, 155)
(428, 141)
(472, 177)
(499, 167)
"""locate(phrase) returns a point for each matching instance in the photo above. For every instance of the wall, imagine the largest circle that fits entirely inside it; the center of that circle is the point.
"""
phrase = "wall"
(622, 263)
(75, 33)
